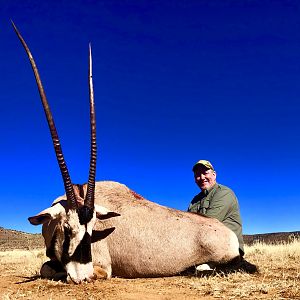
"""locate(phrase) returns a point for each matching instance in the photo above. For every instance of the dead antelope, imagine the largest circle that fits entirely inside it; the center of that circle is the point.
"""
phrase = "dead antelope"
(107, 226)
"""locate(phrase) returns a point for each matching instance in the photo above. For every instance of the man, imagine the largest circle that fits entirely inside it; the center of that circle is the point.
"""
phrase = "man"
(216, 200)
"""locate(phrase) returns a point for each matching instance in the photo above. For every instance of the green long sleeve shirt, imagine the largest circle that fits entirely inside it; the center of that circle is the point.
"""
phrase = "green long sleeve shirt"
(221, 203)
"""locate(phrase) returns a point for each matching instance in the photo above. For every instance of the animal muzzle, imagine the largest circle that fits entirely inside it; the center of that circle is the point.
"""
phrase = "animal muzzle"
(78, 272)
(79, 266)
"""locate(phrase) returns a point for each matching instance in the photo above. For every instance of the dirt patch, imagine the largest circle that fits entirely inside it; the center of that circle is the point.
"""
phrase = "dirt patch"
(17, 283)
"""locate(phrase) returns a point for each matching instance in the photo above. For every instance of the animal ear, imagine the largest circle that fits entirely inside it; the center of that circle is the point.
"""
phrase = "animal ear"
(101, 235)
(103, 213)
(48, 214)
(39, 219)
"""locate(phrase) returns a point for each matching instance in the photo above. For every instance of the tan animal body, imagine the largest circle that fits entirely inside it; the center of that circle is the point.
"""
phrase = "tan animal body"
(107, 226)
(150, 240)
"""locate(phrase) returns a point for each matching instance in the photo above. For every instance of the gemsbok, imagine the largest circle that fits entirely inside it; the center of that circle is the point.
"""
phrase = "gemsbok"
(104, 227)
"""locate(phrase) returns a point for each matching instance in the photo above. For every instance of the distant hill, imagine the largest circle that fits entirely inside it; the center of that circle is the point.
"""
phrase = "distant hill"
(13, 239)
(271, 238)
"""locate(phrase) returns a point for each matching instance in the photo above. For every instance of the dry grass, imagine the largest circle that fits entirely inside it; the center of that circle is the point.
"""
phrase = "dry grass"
(279, 278)
(27, 261)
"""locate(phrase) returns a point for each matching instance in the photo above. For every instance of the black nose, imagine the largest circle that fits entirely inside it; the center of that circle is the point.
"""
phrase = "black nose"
(85, 214)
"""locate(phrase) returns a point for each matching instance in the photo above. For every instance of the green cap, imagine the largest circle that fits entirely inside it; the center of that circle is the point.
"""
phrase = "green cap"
(204, 163)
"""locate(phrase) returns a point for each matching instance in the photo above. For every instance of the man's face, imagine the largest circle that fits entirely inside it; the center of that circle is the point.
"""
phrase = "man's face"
(204, 178)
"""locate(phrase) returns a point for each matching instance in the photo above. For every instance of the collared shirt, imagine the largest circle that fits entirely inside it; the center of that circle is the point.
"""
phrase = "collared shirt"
(221, 203)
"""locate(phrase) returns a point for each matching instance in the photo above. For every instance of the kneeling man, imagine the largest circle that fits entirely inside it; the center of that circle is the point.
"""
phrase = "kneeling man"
(216, 200)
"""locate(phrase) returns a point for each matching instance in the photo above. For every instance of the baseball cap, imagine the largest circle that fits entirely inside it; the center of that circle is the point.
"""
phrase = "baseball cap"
(204, 163)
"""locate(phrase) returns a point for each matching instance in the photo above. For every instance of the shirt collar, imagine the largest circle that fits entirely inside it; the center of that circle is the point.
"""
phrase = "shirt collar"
(207, 191)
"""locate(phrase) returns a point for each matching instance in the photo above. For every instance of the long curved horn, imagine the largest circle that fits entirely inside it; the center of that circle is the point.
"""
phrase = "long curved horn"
(56, 143)
(89, 199)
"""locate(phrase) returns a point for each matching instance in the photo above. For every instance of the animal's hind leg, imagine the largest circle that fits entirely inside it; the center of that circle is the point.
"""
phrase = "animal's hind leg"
(101, 272)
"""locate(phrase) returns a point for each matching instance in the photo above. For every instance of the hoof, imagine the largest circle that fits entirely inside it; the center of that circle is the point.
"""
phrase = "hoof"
(100, 273)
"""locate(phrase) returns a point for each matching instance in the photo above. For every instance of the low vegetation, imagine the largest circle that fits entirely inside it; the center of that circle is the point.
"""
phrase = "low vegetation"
(278, 278)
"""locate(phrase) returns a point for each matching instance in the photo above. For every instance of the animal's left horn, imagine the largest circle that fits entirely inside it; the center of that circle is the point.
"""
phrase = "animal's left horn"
(55, 139)
(90, 195)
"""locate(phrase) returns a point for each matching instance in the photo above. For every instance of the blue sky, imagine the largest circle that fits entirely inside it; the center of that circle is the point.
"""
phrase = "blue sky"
(175, 82)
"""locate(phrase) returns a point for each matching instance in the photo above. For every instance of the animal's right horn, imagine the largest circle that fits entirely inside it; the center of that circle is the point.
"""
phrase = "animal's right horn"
(90, 195)
(56, 143)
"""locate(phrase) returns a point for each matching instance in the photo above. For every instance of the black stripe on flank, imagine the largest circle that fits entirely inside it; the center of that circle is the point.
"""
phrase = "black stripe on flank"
(83, 252)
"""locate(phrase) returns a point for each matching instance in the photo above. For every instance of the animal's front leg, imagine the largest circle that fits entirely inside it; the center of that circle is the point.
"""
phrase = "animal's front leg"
(53, 270)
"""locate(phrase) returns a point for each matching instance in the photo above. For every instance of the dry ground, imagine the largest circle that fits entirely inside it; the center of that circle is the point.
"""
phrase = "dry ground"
(279, 278)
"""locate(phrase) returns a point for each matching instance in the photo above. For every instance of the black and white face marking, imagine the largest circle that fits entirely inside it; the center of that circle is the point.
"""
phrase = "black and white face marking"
(79, 265)
(73, 246)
